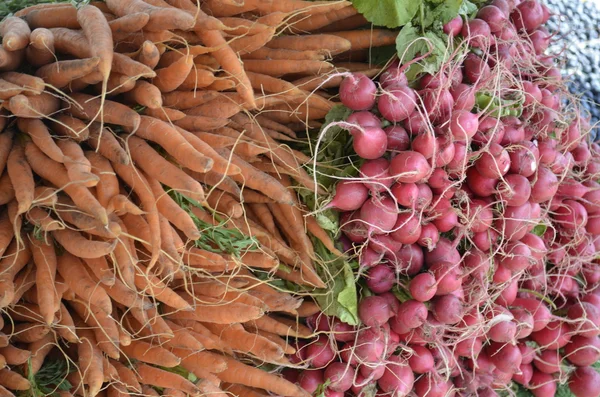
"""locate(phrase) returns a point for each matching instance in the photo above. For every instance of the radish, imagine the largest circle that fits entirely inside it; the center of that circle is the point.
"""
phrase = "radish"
(369, 142)
(469, 348)
(478, 32)
(398, 378)
(380, 278)
(523, 376)
(384, 243)
(429, 237)
(448, 276)
(425, 144)
(379, 214)
(320, 352)
(358, 92)
(463, 125)
(447, 309)
(407, 229)
(444, 251)
(340, 376)
(464, 100)
(494, 163)
(514, 222)
(363, 119)
(406, 194)
(571, 215)
(582, 351)
(349, 196)
(416, 123)
(409, 259)
(376, 173)
(370, 346)
(421, 361)
(548, 361)
(555, 336)
(369, 257)
(524, 159)
(476, 69)
(586, 319)
(454, 26)
(517, 256)
(541, 314)
(494, 17)
(431, 385)
(542, 385)
(393, 76)
(374, 311)
(438, 104)
(397, 103)
(585, 382)
(411, 314)
(536, 246)
(514, 190)
(476, 264)
(507, 358)
(409, 167)
(311, 379)
(423, 287)
(397, 138)
(479, 184)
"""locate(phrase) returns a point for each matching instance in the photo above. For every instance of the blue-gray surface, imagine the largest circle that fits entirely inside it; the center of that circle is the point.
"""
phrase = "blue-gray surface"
(577, 24)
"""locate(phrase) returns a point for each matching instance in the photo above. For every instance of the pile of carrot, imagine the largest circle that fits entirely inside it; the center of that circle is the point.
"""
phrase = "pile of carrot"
(130, 131)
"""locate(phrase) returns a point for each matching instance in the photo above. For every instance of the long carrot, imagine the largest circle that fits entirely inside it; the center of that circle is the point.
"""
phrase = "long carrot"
(90, 361)
(145, 94)
(188, 99)
(243, 391)
(165, 114)
(21, 176)
(161, 378)
(328, 44)
(45, 261)
(8, 90)
(13, 380)
(31, 83)
(54, 17)
(303, 24)
(106, 143)
(15, 33)
(248, 44)
(108, 184)
(35, 107)
(198, 78)
(59, 74)
(269, 84)
(169, 78)
(160, 18)
(128, 67)
(129, 23)
(243, 341)
(41, 219)
(148, 54)
(41, 47)
(363, 39)
(201, 123)
(87, 107)
(101, 270)
(41, 137)
(243, 374)
(7, 191)
(104, 327)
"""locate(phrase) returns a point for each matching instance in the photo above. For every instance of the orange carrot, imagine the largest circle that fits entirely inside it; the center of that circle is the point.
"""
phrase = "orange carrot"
(15, 33)
(241, 147)
(59, 74)
(243, 391)
(21, 178)
(90, 361)
(116, 84)
(87, 107)
(124, 295)
(67, 212)
(161, 378)
(128, 67)
(240, 340)
(16, 257)
(54, 17)
(241, 26)
(198, 78)
(230, 63)
(328, 44)
(249, 44)
(350, 23)
(41, 47)
(31, 83)
(29, 332)
(45, 261)
(160, 18)
(120, 205)
(281, 67)
(106, 143)
(10, 60)
(73, 272)
(101, 270)
(69, 126)
(66, 330)
(156, 288)
(165, 114)
(188, 99)
(129, 23)
(9, 90)
(145, 94)
(311, 83)
(223, 203)
(34, 107)
(201, 123)
(304, 24)
(41, 137)
(14, 355)
(7, 191)
(269, 84)
(169, 78)
(280, 326)
(39, 350)
(12, 380)
(127, 376)
(108, 184)
(220, 164)
(149, 54)
(162, 170)
(103, 326)
(363, 39)
(40, 218)
(78, 167)
(151, 354)
(243, 374)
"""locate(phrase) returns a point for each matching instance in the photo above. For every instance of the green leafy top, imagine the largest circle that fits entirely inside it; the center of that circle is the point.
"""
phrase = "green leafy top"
(49, 380)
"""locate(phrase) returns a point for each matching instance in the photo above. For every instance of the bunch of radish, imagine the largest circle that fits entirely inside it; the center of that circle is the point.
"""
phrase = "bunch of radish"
(477, 228)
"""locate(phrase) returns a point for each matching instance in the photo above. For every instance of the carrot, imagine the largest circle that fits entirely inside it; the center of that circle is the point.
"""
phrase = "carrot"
(161, 378)
(160, 18)
(120, 205)
(45, 196)
(108, 184)
(173, 212)
(240, 340)
(10, 60)
(162, 170)
(77, 278)
(147, 353)
(55, 17)
(276, 339)
(13, 380)
(165, 114)
(225, 204)
(101, 270)
(246, 375)
(317, 231)
(160, 291)
(71, 127)
(142, 189)
(41, 219)
(227, 8)
(15, 33)
(203, 21)
(248, 44)
(66, 328)
(169, 78)
(28, 332)
(45, 261)
(87, 107)
(41, 137)
(313, 22)
(127, 376)
(363, 39)
(66, 211)
(124, 295)
(116, 84)
(129, 23)
(183, 338)
(307, 7)
(201, 359)
(351, 23)
(149, 54)
(6, 143)
(78, 167)
(76, 244)
(103, 326)
(230, 63)
(211, 310)
(59, 74)
(280, 326)
(14, 355)
(31, 83)
(202, 259)
(124, 260)
(21, 177)
(258, 180)
(34, 107)
(269, 84)
(126, 66)
(240, 26)
(8, 90)
(188, 99)
(6, 232)
(263, 213)
(106, 143)
(90, 361)
(198, 78)
(311, 83)
(243, 391)
(220, 164)
(40, 51)
(7, 191)
(16, 257)
(223, 106)
(328, 44)
(217, 180)
(241, 147)
(145, 94)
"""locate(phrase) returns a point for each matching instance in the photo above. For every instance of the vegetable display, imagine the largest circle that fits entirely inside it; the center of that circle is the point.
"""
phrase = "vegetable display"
(294, 198)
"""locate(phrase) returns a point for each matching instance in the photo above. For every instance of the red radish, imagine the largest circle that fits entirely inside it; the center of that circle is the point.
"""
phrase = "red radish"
(523, 377)
(444, 251)
(409, 259)
(514, 190)
(493, 16)
(370, 346)
(447, 309)
(421, 361)
(369, 142)
(542, 385)
(524, 321)
(423, 287)
(433, 81)
(352, 227)
(585, 382)
(438, 104)
(586, 319)
(494, 163)
(429, 236)
(469, 348)
(517, 256)
(376, 174)
(320, 352)
(349, 196)
(411, 314)
(398, 378)
(407, 229)
(340, 376)
(503, 331)
(555, 336)
(445, 150)
(456, 167)
(480, 216)
(369, 257)
(541, 314)
(393, 77)
(476, 264)
(425, 196)
(448, 276)
(454, 26)
(582, 351)
(485, 240)
(416, 123)
(379, 214)
(311, 379)
(364, 119)
(384, 243)
(476, 69)
(397, 103)
(548, 361)
(528, 15)
(381, 278)
(409, 167)
(358, 92)
(463, 125)
(425, 144)
(514, 132)
(571, 215)
(397, 137)
(524, 159)
(431, 385)
(478, 32)
(406, 194)
(507, 358)
(480, 185)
